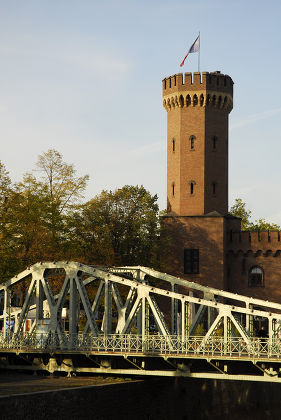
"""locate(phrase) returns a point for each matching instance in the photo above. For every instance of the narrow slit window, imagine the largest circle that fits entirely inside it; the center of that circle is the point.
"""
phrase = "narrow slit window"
(215, 141)
(173, 189)
(191, 188)
(192, 142)
(214, 186)
(174, 144)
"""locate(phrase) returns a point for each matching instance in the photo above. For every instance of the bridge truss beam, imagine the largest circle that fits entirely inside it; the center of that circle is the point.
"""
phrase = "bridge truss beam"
(136, 317)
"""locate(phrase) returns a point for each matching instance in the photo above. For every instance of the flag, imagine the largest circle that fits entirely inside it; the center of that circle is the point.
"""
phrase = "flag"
(195, 47)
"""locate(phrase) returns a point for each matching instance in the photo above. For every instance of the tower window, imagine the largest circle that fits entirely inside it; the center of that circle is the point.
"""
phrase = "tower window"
(191, 187)
(215, 141)
(191, 261)
(256, 278)
(173, 189)
(214, 185)
(192, 142)
(174, 144)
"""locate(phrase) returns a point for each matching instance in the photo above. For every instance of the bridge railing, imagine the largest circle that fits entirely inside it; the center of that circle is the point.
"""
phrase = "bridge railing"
(234, 347)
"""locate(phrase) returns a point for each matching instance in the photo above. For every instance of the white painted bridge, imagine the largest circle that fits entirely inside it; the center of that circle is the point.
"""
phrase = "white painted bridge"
(67, 316)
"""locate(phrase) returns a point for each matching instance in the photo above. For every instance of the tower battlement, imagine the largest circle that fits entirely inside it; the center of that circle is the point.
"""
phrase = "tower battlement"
(254, 240)
(198, 89)
(214, 81)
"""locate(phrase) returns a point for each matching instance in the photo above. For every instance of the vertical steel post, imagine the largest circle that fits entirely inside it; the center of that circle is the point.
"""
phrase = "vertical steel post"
(270, 332)
(183, 320)
(139, 276)
(225, 332)
(107, 307)
(186, 324)
(174, 310)
(249, 321)
(7, 310)
(72, 311)
(39, 300)
(143, 318)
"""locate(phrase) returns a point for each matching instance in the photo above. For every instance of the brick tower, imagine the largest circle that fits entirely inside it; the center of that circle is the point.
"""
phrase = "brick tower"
(197, 173)
(197, 217)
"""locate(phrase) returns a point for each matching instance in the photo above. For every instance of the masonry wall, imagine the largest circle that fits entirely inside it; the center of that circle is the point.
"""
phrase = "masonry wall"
(203, 233)
(250, 249)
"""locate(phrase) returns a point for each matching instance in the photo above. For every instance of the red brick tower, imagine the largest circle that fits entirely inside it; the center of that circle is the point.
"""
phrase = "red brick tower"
(197, 189)
(197, 173)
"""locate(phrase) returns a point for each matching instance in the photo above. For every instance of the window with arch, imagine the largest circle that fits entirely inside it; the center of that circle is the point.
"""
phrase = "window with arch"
(192, 142)
(214, 142)
(173, 144)
(192, 187)
(256, 277)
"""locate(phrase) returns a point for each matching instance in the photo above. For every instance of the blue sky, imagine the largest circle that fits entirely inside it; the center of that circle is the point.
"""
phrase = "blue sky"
(84, 77)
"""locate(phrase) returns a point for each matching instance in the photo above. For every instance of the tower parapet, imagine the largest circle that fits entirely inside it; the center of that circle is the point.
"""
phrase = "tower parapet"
(206, 89)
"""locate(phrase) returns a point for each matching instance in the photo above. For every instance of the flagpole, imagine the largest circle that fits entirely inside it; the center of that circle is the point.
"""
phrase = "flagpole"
(199, 54)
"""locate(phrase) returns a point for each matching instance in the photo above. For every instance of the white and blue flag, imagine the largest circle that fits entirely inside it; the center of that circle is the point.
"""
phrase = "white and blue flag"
(195, 47)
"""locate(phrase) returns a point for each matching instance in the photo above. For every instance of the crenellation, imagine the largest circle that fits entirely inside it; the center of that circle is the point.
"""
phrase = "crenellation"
(255, 240)
(208, 83)
(275, 238)
(197, 78)
(245, 239)
(179, 79)
(264, 237)
(187, 79)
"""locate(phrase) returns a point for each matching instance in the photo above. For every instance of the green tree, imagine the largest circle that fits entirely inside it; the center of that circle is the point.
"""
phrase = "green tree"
(239, 210)
(118, 227)
(262, 224)
(64, 187)
(33, 214)
(5, 184)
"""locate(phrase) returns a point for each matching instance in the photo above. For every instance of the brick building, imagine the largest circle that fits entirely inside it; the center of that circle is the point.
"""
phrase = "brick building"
(207, 245)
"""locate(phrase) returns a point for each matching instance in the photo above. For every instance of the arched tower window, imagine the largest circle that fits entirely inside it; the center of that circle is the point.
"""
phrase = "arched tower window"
(195, 100)
(174, 144)
(181, 101)
(192, 142)
(256, 277)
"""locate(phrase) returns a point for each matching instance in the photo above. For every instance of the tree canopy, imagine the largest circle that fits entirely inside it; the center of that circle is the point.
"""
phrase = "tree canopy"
(239, 210)
(42, 218)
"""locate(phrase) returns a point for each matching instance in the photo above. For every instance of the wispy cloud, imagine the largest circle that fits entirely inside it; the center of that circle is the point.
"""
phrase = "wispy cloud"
(251, 119)
(99, 60)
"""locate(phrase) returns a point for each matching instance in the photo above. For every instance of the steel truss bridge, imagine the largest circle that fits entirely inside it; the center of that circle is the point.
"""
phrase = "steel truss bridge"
(135, 321)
